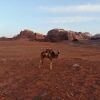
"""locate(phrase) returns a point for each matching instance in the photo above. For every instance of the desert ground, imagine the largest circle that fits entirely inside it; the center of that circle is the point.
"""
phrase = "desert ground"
(75, 74)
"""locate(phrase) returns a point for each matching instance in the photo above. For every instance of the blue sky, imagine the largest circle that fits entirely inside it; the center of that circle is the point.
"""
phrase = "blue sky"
(43, 15)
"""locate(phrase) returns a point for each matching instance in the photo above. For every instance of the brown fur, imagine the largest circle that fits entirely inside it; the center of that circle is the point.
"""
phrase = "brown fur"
(49, 54)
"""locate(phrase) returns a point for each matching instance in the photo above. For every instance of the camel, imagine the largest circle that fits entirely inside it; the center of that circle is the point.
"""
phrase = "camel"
(49, 54)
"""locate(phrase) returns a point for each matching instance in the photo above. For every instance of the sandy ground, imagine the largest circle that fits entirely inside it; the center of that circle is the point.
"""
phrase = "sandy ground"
(75, 74)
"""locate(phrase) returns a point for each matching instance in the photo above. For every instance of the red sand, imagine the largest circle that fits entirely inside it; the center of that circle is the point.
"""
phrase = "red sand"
(75, 74)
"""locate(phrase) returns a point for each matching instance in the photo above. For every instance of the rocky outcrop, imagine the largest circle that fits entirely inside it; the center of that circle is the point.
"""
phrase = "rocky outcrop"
(56, 35)
(25, 34)
(95, 37)
(30, 35)
(5, 39)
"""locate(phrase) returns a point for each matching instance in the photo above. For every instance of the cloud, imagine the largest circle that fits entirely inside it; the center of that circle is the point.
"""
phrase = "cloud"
(77, 19)
(91, 8)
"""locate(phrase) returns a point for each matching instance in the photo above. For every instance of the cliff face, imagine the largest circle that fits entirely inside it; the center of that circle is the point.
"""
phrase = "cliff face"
(61, 34)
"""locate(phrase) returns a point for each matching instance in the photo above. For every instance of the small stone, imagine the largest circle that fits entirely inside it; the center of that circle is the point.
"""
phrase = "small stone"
(76, 65)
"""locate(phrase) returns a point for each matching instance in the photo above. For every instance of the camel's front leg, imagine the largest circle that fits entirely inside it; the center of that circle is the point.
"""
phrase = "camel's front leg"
(50, 64)
(41, 63)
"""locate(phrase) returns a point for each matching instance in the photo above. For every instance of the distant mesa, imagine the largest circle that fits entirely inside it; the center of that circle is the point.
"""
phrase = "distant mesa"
(56, 35)
(5, 38)
(30, 35)
(96, 37)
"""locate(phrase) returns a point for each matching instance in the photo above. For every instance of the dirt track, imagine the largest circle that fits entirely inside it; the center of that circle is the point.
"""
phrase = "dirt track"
(75, 74)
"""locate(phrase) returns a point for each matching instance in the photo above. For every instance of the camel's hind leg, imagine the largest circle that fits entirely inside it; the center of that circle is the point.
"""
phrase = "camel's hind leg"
(50, 64)
(41, 63)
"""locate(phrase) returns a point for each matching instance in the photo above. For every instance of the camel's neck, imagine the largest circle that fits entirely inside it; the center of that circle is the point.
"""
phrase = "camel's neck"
(56, 55)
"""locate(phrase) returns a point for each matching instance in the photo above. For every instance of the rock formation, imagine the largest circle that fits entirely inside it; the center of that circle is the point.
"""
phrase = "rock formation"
(56, 35)
(30, 35)
(95, 37)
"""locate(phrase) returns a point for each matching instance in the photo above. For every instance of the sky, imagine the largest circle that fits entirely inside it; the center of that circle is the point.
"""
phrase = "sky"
(44, 15)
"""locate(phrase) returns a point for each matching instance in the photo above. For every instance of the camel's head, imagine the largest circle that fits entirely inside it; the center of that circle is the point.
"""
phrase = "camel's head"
(57, 53)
